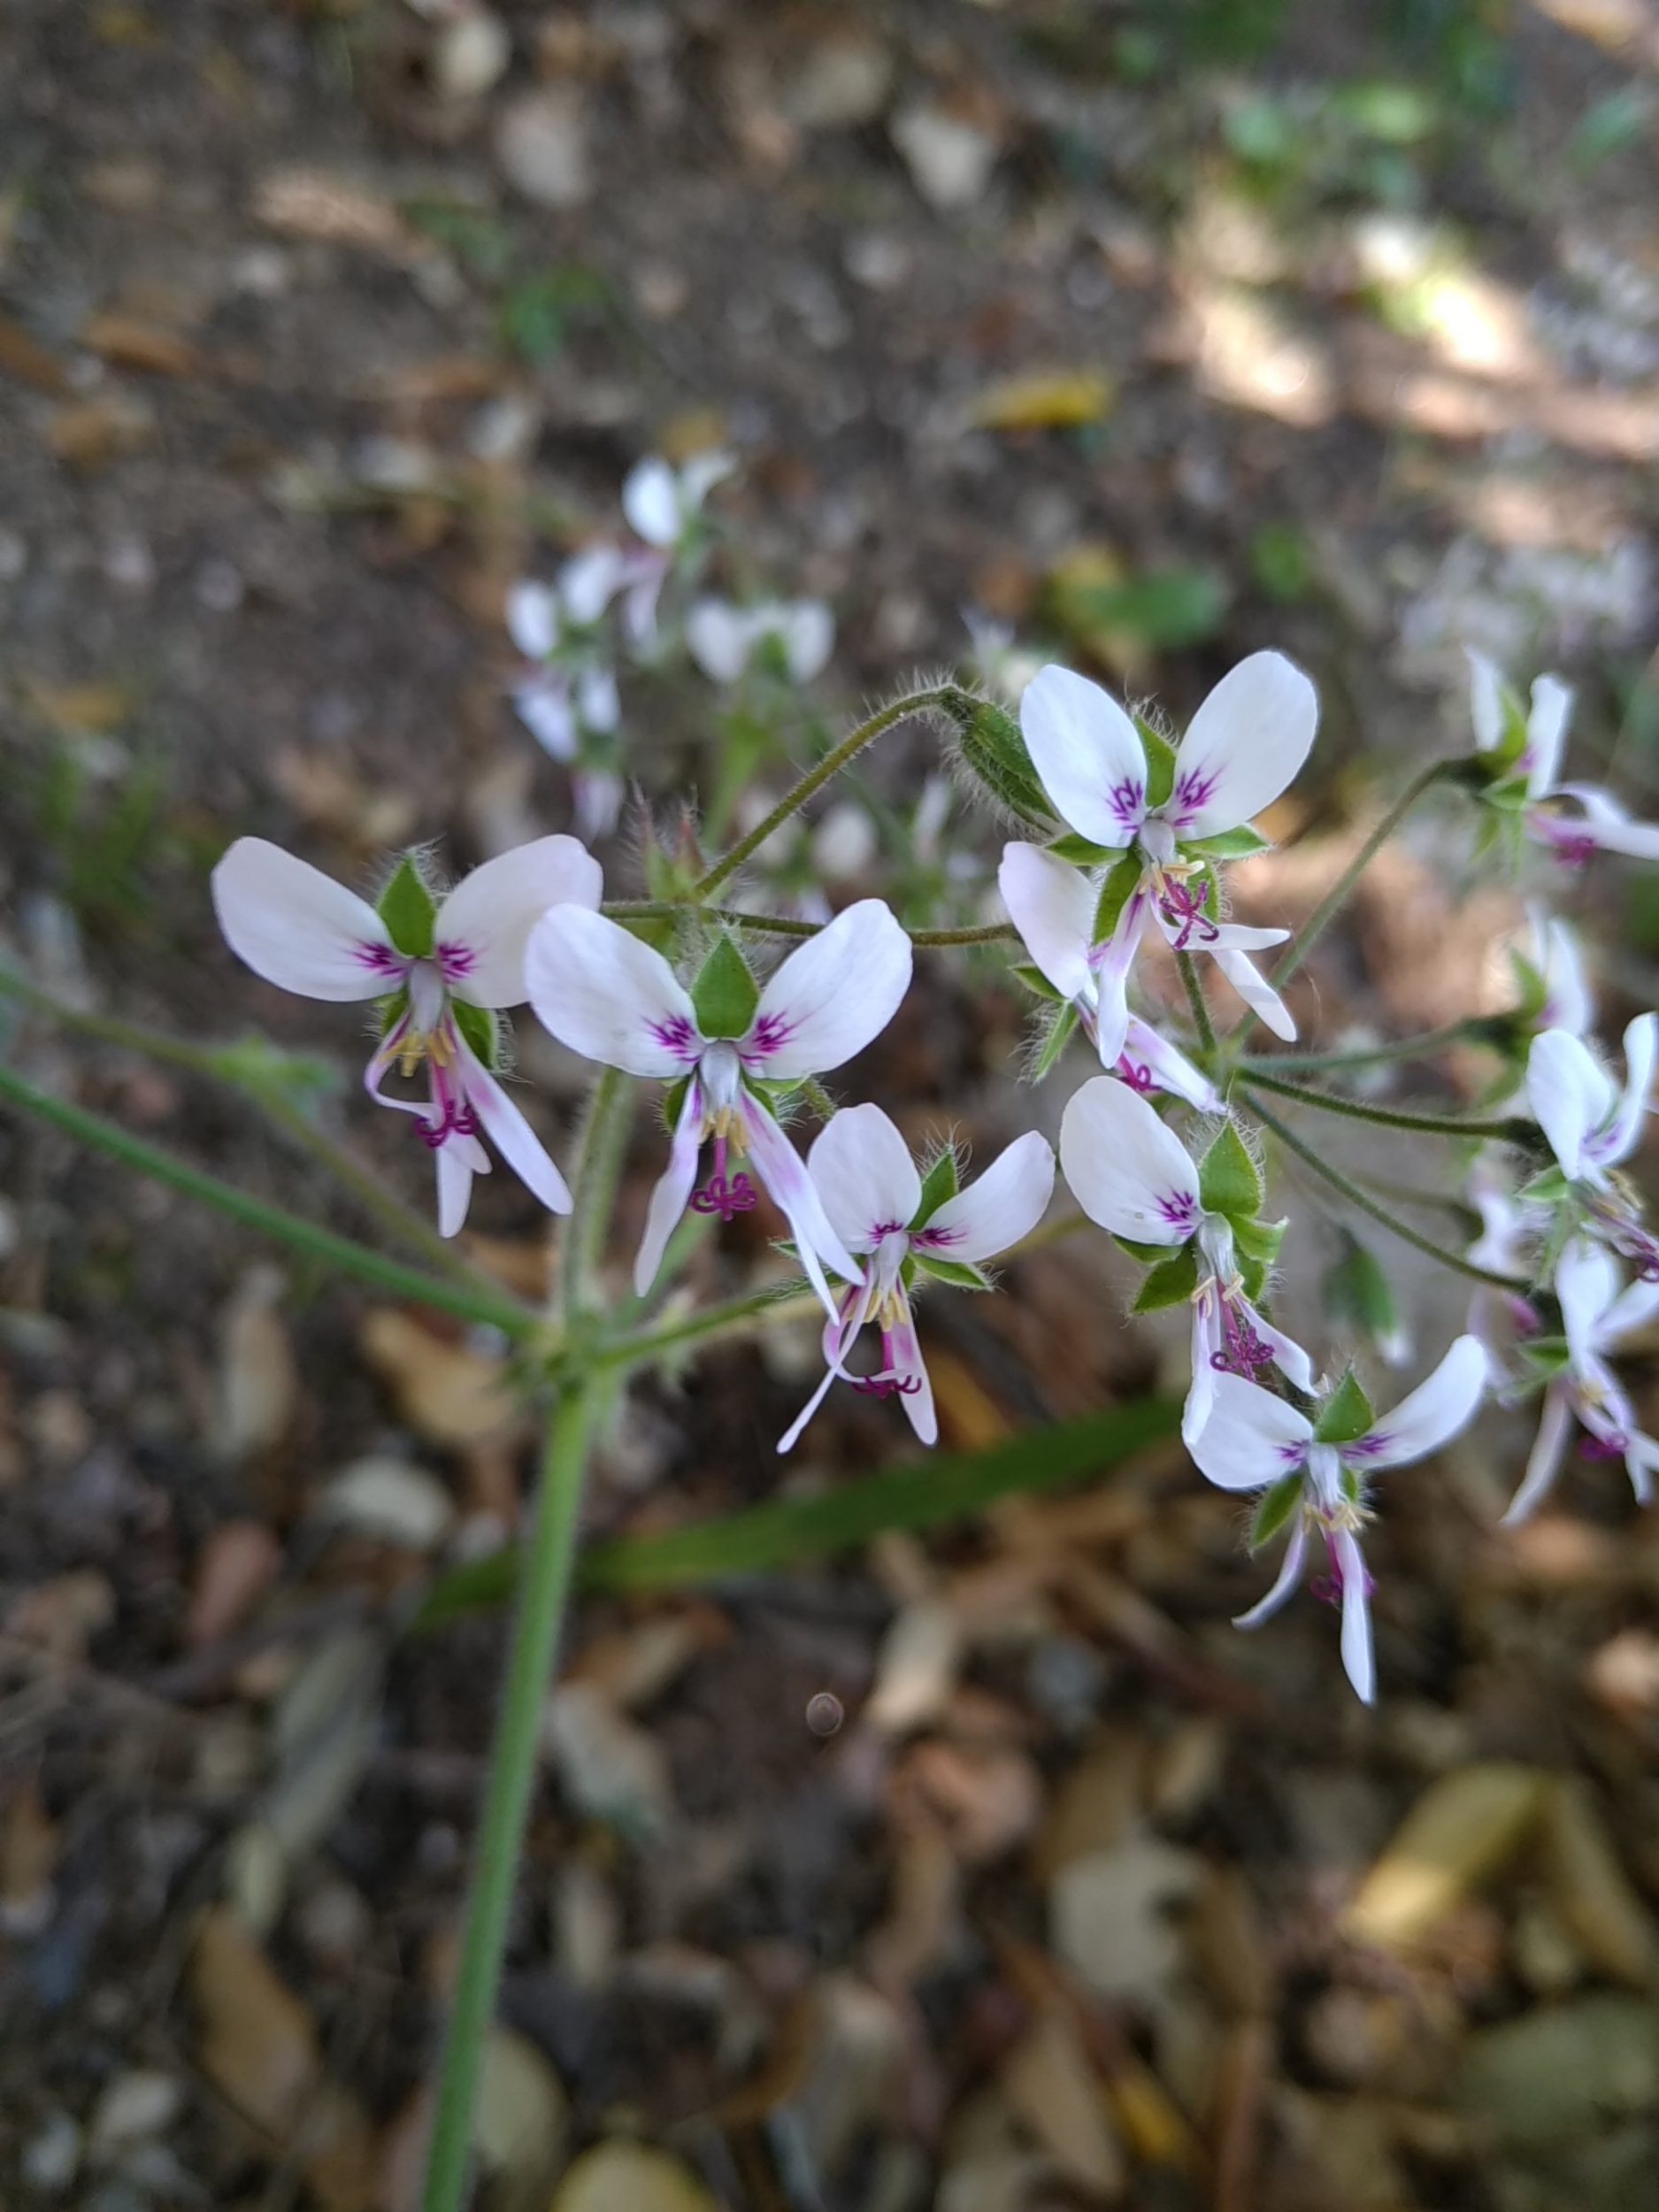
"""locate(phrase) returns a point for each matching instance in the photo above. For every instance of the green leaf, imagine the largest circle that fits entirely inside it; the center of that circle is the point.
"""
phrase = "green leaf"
(957, 1272)
(1233, 844)
(1149, 1254)
(1347, 1415)
(1170, 1283)
(945, 1487)
(482, 1028)
(1277, 1504)
(725, 994)
(1116, 893)
(939, 1184)
(408, 911)
(1082, 853)
(1033, 979)
(1166, 609)
(1160, 762)
(1055, 1044)
(1229, 1181)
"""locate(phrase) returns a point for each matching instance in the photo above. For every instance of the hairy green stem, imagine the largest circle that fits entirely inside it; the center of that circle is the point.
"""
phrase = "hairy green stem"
(815, 778)
(1476, 1029)
(602, 1151)
(543, 1586)
(1511, 1129)
(1337, 897)
(785, 925)
(1356, 1196)
(468, 1301)
(1195, 999)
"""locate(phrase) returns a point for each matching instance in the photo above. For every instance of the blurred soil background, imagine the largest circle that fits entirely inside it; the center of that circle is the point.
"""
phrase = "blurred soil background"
(988, 1869)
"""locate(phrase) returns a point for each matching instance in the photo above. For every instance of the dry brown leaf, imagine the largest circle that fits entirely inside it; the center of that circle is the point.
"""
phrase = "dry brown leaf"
(324, 792)
(27, 361)
(28, 1859)
(452, 1394)
(236, 1566)
(92, 432)
(336, 211)
(1049, 2081)
(61, 1617)
(130, 343)
(91, 709)
(259, 1384)
(970, 1416)
(1454, 1839)
(916, 1668)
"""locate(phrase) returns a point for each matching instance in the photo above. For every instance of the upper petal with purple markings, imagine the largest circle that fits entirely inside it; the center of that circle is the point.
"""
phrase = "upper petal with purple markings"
(300, 930)
(1126, 1170)
(1088, 754)
(483, 927)
(1244, 745)
(608, 996)
(832, 996)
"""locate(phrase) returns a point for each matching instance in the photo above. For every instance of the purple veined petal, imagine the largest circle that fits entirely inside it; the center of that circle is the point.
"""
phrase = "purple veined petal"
(1252, 1438)
(542, 703)
(1246, 745)
(508, 1130)
(1571, 1098)
(1088, 754)
(1430, 1415)
(1486, 701)
(1358, 1660)
(1285, 1583)
(1257, 994)
(483, 927)
(673, 1189)
(300, 930)
(838, 1336)
(865, 1176)
(1207, 1351)
(533, 619)
(608, 996)
(781, 1169)
(998, 1208)
(456, 1163)
(1127, 1171)
(1587, 1284)
(1166, 1069)
(1052, 906)
(1112, 969)
(1605, 826)
(1622, 1134)
(830, 997)
(904, 1352)
(650, 500)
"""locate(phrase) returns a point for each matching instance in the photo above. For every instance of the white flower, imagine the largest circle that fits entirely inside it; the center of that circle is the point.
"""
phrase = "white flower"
(1255, 1441)
(877, 1202)
(661, 505)
(1591, 1127)
(1556, 959)
(723, 639)
(299, 929)
(1595, 1314)
(1532, 753)
(607, 995)
(1512, 1229)
(1243, 747)
(566, 686)
(1052, 906)
(1132, 1175)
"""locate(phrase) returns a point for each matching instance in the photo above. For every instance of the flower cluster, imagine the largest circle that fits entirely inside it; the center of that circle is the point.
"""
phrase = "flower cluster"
(1129, 832)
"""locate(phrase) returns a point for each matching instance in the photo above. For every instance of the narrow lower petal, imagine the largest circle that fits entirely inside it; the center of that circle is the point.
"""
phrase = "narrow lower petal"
(1201, 1394)
(1252, 1438)
(508, 1130)
(1605, 826)
(1087, 754)
(838, 1335)
(483, 927)
(1291, 1360)
(454, 1164)
(609, 996)
(669, 1198)
(865, 1176)
(832, 996)
(299, 929)
(1549, 1448)
(1622, 1134)
(1126, 1170)
(998, 1208)
(1570, 1097)
(1166, 1069)
(1052, 906)
(1486, 701)
(1257, 994)
(1357, 1656)
(1547, 734)
(916, 1391)
(1587, 1284)
(1246, 745)
(1432, 1414)
(784, 1174)
(1285, 1584)
(1111, 975)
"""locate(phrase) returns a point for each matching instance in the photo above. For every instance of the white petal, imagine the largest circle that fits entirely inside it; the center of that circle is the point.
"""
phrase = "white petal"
(1252, 1438)
(1544, 1462)
(1607, 825)
(1568, 1002)
(905, 1352)
(1052, 906)
(1547, 734)
(779, 1167)
(454, 1164)
(792, 1435)
(699, 476)
(1293, 1361)
(484, 925)
(1206, 1344)
(838, 1336)
(608, 996)
(1167, 1069)
(720, 639)
(1088, 754)
(1429, 1416)
(1587, 1284)
(1624, 1131)
(864, 1175)
(1633, 1309)
(598, 704)
(509, 1132)
(808, 630)
(1357, 1658)
(1000, 1206)
(650, 500)
(1257, 994)
(596, 800)
(1245, 745)
(589, 581)
(300, 929)
(544, 708)
(1285, 1584)
(831, 997)
(1486, 701)
(1569, 1094)
(672, 1189)
(533, 619)
(1111, 975)
(1126, 1170)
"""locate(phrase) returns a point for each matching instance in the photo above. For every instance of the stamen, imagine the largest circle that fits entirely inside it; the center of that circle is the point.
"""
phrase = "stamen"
(1329, 1588)
(728, 1199)
(1613, 1446)
(1184, 908)
(885, 1386)
(1138, 1075)
(1243, 1353)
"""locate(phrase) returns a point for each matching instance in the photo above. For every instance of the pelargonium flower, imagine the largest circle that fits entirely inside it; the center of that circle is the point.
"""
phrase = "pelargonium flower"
(1513, 1229)
(1523, 750)
(1596, 1313)
(906, 1226)
(1052, 906)
(663, 506)
(729, 1049)
(566, 694)
(1171, 814)
(1314, 1474)
(1200, 1226)
(723, 640)
(1553, 971)
(1593, 1127)
(440, 971)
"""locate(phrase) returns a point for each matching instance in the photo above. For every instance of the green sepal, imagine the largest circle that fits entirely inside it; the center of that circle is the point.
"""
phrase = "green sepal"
(674, 1102)
(482, 1028)
(1508, 751)
(1510, 796)
(725, 994)
(1083, 852)
(993, 749)
(1035, 981)
(408, 911)
(1347, 1415)
(1260, 1241)
(1547, 1356)
(939, 1185)
(1229, 1181)
(1253, 1276)
(1149, 1254)
(1115, 894)
(957, 1272)
(1056, 1040)
(1547, 1188)
(1532, 991)
(1160, 763)
(1353, 1489)
(1233, 844)
(1170, 1283)
(1277, 1504)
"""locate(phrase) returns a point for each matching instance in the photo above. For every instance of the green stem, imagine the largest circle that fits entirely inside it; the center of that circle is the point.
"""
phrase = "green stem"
(1511, 1129)
(785, 925)
(815, 778)
(1367, 1204)
(602, 1149)
(471, 1302)
(1195, 999)
(543, 1586)
(1474, 1030)
(785, 1302)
